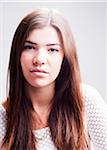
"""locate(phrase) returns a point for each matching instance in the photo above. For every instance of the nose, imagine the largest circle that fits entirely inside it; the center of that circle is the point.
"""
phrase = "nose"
(40, 57)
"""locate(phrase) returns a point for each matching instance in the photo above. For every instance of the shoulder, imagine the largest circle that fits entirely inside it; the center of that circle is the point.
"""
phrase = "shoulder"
(2, 110)
(2, 120)
(96, 116)
(92, 96)
(89, 91)
(94, 103)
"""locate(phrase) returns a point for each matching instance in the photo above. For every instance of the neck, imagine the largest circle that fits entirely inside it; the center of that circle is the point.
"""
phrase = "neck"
(41, 99)
(40, 96)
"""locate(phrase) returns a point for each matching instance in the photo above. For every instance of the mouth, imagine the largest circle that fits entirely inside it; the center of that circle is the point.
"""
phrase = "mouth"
(39, 72)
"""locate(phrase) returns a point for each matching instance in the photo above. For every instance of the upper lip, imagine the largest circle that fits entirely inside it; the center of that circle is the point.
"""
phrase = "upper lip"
(38, 70)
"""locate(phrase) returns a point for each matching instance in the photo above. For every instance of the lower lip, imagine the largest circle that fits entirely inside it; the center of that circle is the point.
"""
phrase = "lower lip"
(39, 74)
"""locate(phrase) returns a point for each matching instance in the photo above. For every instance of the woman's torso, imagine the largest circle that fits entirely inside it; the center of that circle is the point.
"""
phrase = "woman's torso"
(95, 123)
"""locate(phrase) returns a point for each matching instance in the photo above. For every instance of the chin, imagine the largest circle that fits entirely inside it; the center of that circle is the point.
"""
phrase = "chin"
(40, 84)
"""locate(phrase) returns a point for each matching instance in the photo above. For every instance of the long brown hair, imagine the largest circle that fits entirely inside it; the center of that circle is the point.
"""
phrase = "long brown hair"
(66, 119)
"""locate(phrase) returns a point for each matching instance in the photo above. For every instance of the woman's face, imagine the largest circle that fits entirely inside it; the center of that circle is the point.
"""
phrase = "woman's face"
(42, 57)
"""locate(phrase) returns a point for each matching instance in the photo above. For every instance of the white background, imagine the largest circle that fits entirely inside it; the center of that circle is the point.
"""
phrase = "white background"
(88, 23)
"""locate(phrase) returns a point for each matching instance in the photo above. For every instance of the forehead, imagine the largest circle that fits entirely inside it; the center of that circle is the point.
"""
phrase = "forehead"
(45, 35)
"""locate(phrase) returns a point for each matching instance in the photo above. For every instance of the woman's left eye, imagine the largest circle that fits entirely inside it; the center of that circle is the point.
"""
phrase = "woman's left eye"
(53, 50)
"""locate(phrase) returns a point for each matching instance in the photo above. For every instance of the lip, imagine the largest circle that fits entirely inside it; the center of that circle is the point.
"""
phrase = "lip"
(39, 71)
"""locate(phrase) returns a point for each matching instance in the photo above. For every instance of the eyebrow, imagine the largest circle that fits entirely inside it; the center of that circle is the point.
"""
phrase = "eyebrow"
(50, 44)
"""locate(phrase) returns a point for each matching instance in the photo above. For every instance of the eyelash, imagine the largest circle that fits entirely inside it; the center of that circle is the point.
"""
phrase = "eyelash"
(53, 50)
(29, 47)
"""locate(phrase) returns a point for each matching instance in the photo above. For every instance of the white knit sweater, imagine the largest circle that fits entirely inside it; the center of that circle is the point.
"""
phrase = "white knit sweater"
(95, 121)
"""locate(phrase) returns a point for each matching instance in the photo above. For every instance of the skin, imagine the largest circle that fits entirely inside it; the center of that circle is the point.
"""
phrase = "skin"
(41, 62)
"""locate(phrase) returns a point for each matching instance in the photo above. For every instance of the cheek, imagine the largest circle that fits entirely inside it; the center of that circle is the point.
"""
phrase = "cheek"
(56, 66)
(26, 58)
(25, 62)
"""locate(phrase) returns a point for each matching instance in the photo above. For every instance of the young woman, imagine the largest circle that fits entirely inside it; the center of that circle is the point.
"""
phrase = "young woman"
(48, 108)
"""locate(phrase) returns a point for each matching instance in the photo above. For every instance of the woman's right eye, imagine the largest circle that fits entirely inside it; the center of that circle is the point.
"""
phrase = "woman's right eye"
(28, 47)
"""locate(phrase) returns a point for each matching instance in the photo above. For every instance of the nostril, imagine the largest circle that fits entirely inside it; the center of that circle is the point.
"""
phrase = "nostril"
(37, 62)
